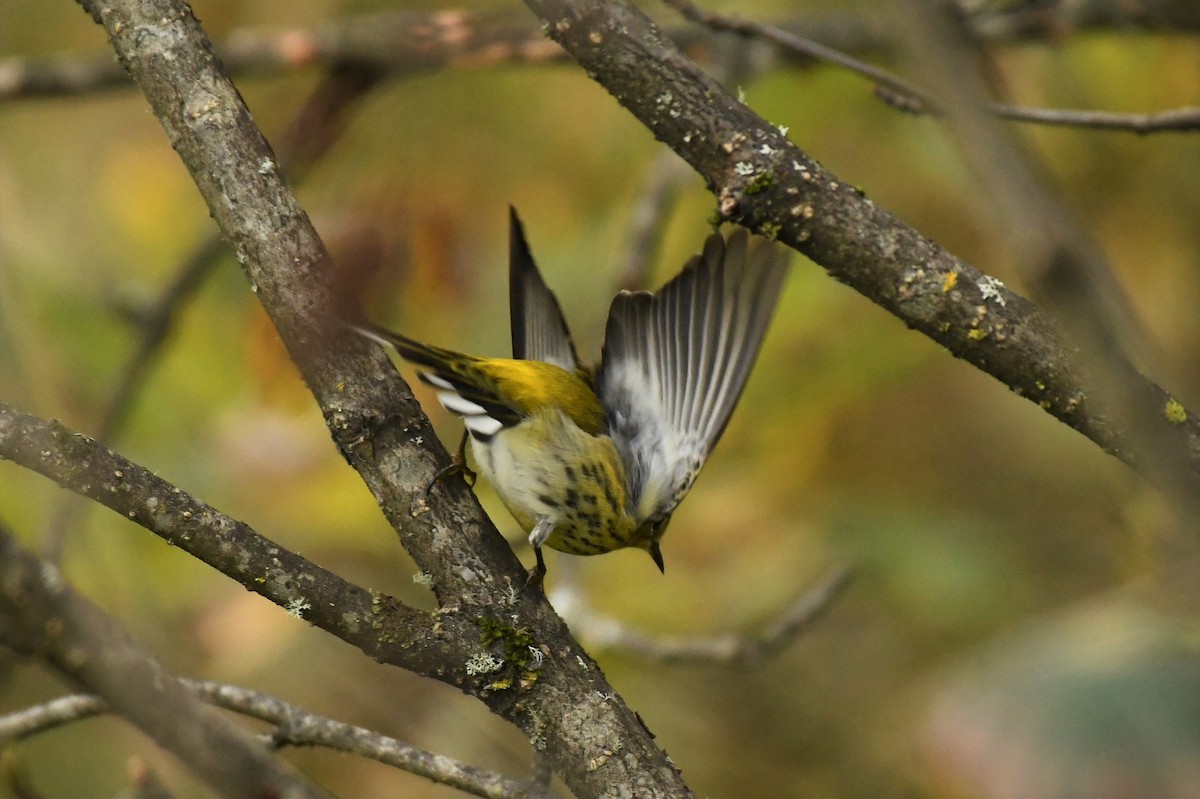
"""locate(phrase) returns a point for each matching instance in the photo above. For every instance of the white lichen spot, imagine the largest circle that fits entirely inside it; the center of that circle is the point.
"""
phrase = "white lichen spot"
(423, 578)
(511, 594)
(744, 168)
(783, 130)
(535, 656)
(579, 660)
(990, 289)
(687, 137)
(483, 663)
(51, 576)
(297, 606)
(766, 149)
(266, 166)
(419, 440)
(664, 99)
(741, 95)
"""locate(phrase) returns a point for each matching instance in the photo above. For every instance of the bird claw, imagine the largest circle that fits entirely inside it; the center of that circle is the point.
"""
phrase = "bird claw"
(538, 573)
(457, 465)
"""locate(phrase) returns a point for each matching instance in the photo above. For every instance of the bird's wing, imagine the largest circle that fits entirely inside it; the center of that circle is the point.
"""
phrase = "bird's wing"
(675, 362)
(539, 332)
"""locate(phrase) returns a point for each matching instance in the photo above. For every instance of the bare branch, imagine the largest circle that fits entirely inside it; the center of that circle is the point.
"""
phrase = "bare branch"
(915, 99)
(391, 43)
(1056, 256)
(41, 615)
(295, 726)
(791, 622)
(765, 182)
(317, 126)
(379, 625)
(1004, 21)
(50, 715)
(1177, 119)
(910, 98)
(377, 424)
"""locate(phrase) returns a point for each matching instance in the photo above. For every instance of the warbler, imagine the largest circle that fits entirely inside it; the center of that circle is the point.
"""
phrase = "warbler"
(589, 460)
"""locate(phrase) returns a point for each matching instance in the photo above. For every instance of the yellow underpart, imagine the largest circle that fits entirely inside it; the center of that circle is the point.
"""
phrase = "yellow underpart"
(548, 467)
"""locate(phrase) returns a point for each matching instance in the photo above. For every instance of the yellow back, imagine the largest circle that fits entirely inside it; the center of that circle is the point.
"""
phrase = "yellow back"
(529, 386)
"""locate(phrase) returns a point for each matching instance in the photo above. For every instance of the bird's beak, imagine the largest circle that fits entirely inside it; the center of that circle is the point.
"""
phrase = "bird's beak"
(656, 556)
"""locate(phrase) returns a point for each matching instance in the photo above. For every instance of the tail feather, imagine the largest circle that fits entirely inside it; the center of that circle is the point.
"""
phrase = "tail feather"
(463, 388)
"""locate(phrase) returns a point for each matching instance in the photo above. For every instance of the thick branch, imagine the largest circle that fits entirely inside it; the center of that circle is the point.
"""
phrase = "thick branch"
(379, 625)
(546, 684)
(41, 615)
(765, 182)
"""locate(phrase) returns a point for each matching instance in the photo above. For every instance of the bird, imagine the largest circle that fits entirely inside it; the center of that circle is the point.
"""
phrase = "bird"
(590, 459)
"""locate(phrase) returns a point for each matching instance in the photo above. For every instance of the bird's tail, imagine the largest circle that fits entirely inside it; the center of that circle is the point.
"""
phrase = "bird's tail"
(436, 359)
(463, 386)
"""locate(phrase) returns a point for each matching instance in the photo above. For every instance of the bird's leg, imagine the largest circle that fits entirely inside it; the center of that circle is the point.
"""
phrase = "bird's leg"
(538, 573)
(457, 465)
(537, 536)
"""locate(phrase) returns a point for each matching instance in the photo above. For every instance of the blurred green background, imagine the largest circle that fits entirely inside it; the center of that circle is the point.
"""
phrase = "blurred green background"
(1015, 628)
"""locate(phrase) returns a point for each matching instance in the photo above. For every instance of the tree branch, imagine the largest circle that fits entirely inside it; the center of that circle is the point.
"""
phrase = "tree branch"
(397, 43)
(379, 625)
(316, 127)
(295, 726)
(543, 682)
(788, 624)
(765, 182)
(911, 98)
(40, 614)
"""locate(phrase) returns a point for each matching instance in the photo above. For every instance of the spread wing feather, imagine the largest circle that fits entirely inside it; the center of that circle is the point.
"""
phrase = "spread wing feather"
(539, 331)
(675, 362)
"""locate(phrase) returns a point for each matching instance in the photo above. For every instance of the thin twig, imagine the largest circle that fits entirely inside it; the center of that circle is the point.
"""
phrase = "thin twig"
(792, 621)
(906, 96)
(1177, 119)
(50, 715)
(42, 615)
(295, 726)
(805, 47)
